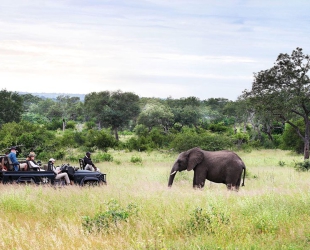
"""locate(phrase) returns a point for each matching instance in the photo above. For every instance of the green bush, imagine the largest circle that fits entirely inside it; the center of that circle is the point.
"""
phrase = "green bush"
(302, 166)
(290, 138)
(218, 127)
(103, 157)
(59, 154)
(136, 159)
(109, 220)
(207, 141)
(208, 220)
(140, 144)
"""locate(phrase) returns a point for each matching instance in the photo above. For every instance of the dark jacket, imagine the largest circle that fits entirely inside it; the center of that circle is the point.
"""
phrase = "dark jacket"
(88, 161)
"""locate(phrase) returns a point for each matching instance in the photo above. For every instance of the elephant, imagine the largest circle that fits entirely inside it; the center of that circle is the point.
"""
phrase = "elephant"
(216, 166)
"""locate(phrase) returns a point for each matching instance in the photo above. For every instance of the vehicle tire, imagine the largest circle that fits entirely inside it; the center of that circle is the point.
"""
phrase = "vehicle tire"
(91, 183)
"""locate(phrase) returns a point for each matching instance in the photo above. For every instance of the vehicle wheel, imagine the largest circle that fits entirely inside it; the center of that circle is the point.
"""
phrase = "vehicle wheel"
(91, 183)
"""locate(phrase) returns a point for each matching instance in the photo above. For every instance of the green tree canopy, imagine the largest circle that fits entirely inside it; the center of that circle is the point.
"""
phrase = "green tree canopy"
(112, 109)
(156, 114)
(283, 90)
(11, 106)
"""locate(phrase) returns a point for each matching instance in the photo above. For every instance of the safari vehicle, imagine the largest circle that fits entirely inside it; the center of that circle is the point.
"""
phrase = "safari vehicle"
(33, 175)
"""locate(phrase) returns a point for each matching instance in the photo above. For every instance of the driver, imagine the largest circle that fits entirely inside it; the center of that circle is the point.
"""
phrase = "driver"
(89, 165)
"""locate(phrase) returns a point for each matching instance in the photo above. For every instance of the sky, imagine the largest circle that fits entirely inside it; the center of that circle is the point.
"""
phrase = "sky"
(153, 48)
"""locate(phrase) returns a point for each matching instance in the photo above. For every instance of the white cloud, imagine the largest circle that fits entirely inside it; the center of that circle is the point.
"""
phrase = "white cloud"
(153, 48)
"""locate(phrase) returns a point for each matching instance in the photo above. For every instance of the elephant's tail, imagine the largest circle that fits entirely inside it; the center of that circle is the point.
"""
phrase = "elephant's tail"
(244, 169)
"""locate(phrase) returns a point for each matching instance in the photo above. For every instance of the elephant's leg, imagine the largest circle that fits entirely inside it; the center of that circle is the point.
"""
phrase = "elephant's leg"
(199, 179)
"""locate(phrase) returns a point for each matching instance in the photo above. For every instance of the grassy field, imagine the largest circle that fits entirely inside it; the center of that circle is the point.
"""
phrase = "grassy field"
(136, 210)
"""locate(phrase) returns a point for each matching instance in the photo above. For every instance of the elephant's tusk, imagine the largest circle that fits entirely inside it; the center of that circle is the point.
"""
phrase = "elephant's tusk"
(173, 173)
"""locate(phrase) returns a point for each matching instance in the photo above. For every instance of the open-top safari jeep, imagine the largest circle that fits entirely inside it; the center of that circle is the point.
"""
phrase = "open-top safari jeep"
(33, 175)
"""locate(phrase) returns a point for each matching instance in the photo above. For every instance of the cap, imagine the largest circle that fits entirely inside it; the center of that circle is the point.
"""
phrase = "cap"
(52, 159)
(32, 154)
(13, 148)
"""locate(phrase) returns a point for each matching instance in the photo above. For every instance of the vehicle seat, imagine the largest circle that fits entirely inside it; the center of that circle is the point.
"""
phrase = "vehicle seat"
(9, 164)
(31, 168)
(82, 163)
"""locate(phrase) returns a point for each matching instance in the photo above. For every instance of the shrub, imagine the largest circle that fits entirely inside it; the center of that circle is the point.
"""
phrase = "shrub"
(104, 140)
(103, 157)
(139, 144)
(59, 154)
(290, 138)
(110, 219)
(207, 141)
(218, 127)
(208, 220)
(302, 166)
(136, 159)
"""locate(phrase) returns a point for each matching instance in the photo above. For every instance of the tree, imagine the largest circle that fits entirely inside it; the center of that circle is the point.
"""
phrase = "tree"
(186, 111)
(112, 109)
(11, 106)
(156, 114)
(283, 90)
(94, 103)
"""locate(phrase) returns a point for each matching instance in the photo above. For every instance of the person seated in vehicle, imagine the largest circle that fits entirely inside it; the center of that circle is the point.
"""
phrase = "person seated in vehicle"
(2, 165)
(33, 164)
(89, 165)
(16, 165)
(58, 172)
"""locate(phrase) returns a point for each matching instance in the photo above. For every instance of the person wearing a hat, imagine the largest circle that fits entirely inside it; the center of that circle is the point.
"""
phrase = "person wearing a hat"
(58, 172)
(32, 162)
(13, 159)
(89, 165)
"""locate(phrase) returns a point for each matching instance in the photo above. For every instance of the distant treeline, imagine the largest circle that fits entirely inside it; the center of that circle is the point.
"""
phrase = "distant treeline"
(123, 120)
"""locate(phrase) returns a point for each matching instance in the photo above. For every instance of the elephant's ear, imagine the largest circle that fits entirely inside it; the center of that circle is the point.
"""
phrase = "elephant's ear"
(195, 156)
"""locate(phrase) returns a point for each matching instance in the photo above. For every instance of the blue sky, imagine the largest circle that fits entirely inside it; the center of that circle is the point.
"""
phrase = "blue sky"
(154, 48)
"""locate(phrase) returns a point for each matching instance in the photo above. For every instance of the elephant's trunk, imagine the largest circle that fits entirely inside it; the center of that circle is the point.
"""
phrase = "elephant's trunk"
(172, 175)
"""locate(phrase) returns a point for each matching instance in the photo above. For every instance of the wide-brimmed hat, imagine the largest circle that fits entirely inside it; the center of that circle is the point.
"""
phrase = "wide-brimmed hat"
(32, 154)
(52, 159)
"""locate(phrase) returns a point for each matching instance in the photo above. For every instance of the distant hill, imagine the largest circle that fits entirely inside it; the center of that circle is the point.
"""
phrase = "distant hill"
(54, 95)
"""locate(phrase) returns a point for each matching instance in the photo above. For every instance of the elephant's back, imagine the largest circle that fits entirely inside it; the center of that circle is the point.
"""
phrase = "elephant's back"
(224, 157)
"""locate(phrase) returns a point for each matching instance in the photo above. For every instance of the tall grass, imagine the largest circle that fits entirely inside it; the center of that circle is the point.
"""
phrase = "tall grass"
(270, 212)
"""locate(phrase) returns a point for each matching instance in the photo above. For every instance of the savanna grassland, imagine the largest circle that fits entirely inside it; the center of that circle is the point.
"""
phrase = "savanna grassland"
(136, 210)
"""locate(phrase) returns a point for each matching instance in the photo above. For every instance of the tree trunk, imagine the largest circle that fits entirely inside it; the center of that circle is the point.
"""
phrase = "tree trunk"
(63, 124)
(116, 134)
(306, 140)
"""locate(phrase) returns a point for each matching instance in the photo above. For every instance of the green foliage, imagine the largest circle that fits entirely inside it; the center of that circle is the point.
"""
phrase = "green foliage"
(139, 144)
(284, 90)
(34, 118)
(136, 159)
(33, 137)
(302, 166)
(109, 220)
(54, 124)
(209, 220)
(90, 125)
(190, 138)
(103, 140)
(59, 154)
(218, 127)
(11, 105)
(290, 138)
(156, 114)
(70, 124)
(103, 157)
(282, 163)
(112, 109)
(141, 130)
